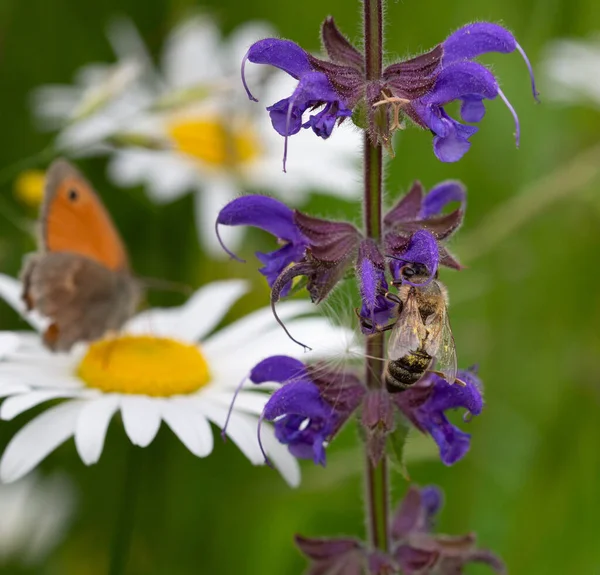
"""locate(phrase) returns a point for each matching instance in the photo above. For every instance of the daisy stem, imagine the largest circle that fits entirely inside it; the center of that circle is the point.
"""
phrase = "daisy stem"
(376, 476)
(125, 520)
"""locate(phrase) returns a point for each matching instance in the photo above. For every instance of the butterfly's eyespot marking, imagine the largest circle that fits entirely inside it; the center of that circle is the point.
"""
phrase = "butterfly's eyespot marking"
(73, 195)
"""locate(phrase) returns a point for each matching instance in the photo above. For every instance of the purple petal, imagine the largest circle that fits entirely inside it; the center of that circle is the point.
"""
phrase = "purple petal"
(296, 398)
(480, 38)
(432, 500)
(283, 54)
(422, 249)
(370, 267)
(277, 261)
(472, 109)
(441, 195)
(279, 368)
(462, 79)
(452, 442)
(475, 39)
(261, 212)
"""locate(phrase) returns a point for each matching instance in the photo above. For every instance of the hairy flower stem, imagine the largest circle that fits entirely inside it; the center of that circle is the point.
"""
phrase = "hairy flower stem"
(377, 501)
(125, 520)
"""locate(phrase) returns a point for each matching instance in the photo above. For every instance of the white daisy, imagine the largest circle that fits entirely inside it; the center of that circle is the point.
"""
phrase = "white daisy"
(35, 513)
(156, 371)
(197, 131)
(572, 70)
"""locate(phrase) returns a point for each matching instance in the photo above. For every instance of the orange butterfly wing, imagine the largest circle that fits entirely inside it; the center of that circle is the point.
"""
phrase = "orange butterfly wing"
(75, 220)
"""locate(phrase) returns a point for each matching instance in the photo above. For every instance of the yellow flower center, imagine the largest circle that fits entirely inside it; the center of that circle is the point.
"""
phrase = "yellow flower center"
(29, 187)
(211, 141)
(144, 365)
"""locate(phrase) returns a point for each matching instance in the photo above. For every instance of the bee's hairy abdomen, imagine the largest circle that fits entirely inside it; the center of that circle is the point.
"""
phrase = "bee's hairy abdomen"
(401, 373)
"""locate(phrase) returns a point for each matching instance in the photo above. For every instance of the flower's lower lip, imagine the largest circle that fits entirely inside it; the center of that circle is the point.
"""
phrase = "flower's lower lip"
(144, 365)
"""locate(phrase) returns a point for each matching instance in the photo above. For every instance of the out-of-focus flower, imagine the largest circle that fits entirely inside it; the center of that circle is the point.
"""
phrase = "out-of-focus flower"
(418, 88)
(188, 127)
(415, 550)
(29, 187)
(571, 69)
(166, 366)
(426, 402)
(323, 250)
(36, 513)
(314, 402)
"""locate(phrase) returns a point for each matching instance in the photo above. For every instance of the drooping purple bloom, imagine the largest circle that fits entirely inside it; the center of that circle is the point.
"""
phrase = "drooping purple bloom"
(310, 406)
(419, 88)
(274, 217)
(460, 78)
(426, 402)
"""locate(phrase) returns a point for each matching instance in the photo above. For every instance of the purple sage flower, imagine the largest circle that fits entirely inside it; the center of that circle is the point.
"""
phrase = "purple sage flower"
(311, 405)
(415, 549)
(324, 250)
(417, 88)
(425, 404)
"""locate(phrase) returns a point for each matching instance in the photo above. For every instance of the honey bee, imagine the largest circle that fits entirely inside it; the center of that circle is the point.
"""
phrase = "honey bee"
(421, 335)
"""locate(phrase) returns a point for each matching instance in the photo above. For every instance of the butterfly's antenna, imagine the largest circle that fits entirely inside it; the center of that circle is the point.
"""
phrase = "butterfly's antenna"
(165, 285)
(230, 410)
(278, 320)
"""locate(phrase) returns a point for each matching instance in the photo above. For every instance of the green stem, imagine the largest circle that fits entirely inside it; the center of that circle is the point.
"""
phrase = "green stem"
(376, 476)
(10, 172)
(126, 519)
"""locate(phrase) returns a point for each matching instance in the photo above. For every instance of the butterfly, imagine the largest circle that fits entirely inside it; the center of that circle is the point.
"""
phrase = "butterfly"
(80, 276)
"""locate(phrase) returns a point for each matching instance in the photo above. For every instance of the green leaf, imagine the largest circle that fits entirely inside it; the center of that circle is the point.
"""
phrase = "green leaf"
(397, 444)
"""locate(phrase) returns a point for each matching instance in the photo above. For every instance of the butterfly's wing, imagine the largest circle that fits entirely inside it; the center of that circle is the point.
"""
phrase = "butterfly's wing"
(83, 299)
(74, 220)
(409, 330)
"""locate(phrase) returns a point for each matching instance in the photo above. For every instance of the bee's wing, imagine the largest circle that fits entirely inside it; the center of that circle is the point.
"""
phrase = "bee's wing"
(440, 344)
(409, 331)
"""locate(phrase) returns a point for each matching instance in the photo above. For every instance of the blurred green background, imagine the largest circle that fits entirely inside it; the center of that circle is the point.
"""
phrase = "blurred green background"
(526, 308)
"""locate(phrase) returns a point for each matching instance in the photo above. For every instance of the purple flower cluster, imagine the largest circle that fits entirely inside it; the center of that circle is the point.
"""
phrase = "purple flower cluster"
(418, 88)
(314, 402)
(323, 250)
(415, 550)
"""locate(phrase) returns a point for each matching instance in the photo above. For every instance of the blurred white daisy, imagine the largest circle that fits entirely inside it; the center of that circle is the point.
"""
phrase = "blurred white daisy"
(35, 514)
(155, 371)
(191, 128)
(571, 68)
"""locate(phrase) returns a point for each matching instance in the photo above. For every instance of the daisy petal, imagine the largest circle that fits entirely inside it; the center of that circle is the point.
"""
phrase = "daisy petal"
(209, 201)
(12, 388)
(141, 418)
(197, 317)
(91, 427)
(192, 428)
(9, 342)
(281, 458)
(17, 404)
(38, 439)
(242, 428)
(249, 401)
(251, 325)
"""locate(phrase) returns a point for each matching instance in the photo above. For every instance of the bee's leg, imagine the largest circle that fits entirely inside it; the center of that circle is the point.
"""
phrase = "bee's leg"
(368, 324)
(393, 297)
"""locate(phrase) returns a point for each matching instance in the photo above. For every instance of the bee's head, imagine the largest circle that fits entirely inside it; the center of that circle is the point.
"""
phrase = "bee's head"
(415, 273)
